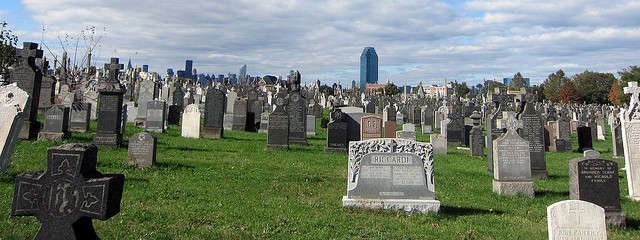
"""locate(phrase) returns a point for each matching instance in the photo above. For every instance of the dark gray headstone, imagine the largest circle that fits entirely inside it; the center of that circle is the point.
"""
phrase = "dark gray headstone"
(173, 117)
(240, 115)
(47, 93)
(142, 149)
(533, 132)
(80, 117)
(214, 114)
(109, 131)
(278, 129)
(56, 124)
(618, 150)
(154, 119)
(28, 76)
(297, 109)
(69, 194)
(512, 161)
(585, 140)
(337, 133)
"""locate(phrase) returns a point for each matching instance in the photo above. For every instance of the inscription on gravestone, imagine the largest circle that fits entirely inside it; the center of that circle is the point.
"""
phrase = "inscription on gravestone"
(142, 150)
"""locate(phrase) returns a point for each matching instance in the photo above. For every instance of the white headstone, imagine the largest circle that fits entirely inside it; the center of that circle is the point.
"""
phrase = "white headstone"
(12, 102)
(191, 121)
(575, 219)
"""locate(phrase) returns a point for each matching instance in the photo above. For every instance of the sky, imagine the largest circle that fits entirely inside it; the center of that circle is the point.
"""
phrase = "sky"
(424, 41)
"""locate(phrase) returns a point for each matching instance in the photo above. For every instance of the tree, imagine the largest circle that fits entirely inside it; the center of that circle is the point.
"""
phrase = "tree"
(552, 85)
(391, 89)
(538, 91)
(616, 94)
(517, 82)
(8, 42)
(326, 90)
(631, 74)
(568, 93)
(491, 85)
(593, 87)
(460, 88)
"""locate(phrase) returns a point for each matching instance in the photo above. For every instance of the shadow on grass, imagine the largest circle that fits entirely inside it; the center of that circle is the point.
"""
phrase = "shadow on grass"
(632, 223)
(173, 165)
(135, 179)
(8, 177)
(465, 211)
(558, 177)
(547, 193)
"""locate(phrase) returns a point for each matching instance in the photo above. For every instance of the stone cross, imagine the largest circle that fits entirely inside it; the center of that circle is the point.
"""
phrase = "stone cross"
(509, 121)
(30, 52)
(634, 90)
(68, 194)
(576, 211)
(114, 69)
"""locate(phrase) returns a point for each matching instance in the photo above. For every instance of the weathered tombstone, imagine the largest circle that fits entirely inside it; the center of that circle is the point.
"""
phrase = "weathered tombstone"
(370, 127)
(12, 101)
(533, 133)
(564, 131)
(148, 92)
(595, 180)
(549, 138)
(389, 129)
(316, 109)
(511, 160)
(191, 121)
(311, 125)
(154, 119)
(561, 145)
(109, 131)
(56, 124)
(240, 115)
(399, 118)
(409, 135)
(264, 122)
(231, 98)
(427, 119)
(337, 133)
(616, 136)
(28, 76)
(439, 143)
(585, 140)
(409, 127)
(142, 150)
(69, 194)
(80, 117)
(297, 119)
(575, 219)
(475, 136)
(502, 100)
(47, 93)
(214, 114)
(278, 129)
(394, 174)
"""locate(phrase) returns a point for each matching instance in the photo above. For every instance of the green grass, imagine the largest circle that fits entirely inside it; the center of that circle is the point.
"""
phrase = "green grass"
(235, 188)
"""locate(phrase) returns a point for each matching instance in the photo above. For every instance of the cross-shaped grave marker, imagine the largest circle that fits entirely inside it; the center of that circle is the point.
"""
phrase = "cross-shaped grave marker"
(114, 69)
(509, 122)
(68, 194)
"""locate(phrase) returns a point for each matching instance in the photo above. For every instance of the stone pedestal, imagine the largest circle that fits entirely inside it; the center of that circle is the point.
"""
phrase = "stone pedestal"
(615, 219)
(539, 174)
(408, 205)
(213, 133)
(513, 188)
(53, 136)
(107, 139)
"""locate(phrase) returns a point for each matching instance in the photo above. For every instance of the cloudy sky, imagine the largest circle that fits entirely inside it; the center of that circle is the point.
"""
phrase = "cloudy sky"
(416, 40)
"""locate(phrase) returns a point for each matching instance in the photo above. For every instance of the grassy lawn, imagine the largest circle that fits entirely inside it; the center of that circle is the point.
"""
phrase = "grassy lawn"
(236, 189)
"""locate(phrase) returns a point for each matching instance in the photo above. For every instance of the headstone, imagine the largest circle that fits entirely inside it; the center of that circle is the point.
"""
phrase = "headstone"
(297, 119)
(132, 112)
(409, 127)
(406, 135)
(616, 136)
(154, 119)
(311, 125)
(228, 121)
(214, 114)
(109, 131)
(533, 133)
(264, 122)
(278, 129)
(142, 150)
(511, 160)
(56, 124)
(69, 194)
(231, 98)
(394, 174)
(337, 133)
(399, 118)
(191, 121)
(439, 143)
(575, 219)
(549, 138)
(240, 115)
(148, 92)
(370, 127)
(80, 117)
(585, 140)
(595, 180)
(47, 93)
(389, 129)
(28, 76)
(12, 101)
(476, 143)
(173, 117)
(561, 145)
(564, 131)
(630, 121)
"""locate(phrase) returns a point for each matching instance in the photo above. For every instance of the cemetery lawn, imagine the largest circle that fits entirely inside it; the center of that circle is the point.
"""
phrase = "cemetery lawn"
(236, 189)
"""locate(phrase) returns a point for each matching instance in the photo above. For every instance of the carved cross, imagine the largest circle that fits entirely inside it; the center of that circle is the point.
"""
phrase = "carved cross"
(634, 90)
(29, 53)
(114, 69)
(68, 194)
(576, 211)
(509, 121)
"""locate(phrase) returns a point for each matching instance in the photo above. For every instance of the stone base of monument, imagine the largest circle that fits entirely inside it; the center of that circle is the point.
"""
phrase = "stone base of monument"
(513, 188)
(407, 205)
(81, 129)
(615, 219)
(277, 147)
(338, 150)
(311, 133)
(539, 174)
(29, 130)
(262, 130)
(212, 133)
(107, 139)
(53, 136)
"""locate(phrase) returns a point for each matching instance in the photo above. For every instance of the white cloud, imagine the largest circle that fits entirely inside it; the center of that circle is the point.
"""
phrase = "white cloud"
(421, 41)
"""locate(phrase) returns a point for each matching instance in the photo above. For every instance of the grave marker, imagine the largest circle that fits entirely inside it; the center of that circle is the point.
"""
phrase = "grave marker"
(511, 160)
(575, 219)
(12, 101)
(142, 150)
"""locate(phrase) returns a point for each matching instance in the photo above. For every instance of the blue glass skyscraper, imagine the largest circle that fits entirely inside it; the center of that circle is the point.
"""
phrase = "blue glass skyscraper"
(368, 67)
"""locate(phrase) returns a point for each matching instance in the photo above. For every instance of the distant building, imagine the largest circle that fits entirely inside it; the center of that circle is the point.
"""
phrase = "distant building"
(220, 78)
(181, 74)
(233, 79)
(372, 88)
(170, 72)
(507, 81)
(243, 73)
(435, 91)
(145, 68)
(188, 68)
(368, 67)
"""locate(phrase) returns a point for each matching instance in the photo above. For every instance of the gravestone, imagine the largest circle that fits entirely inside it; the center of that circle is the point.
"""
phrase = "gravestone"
(311, 125)
(575, 219)
(503, 101)
(47, 93)
(406, 135)
(240, 115)
(337, 133)
(616, 136)
(511, 160)
(132, 112)
(394, 174)
(370, 127)
(142, 150)
(476, 143)
(28, 76)
(231, 98)
(148, 92)
(228, 121)
(297, 119)
(109, 131)
(585, 140)
(214, 114)
(278, 129)
(56, 124)
(264, 122)
(533, 133)
(595, 180)
(630, 121)
(564, 131)
(389, 129)
(191, 121)
(69, 194)
(173, 117)
(409, 127)
(561, 145)
(80, 120)
(178, 96)
(439, 143)
(399, 118)
(427, 119)
(12, 101)
(154, 119)
(549, 138)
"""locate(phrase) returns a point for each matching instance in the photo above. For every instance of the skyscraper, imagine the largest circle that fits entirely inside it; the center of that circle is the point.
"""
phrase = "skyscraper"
(368, 67)
(188, 69)
(243, 73)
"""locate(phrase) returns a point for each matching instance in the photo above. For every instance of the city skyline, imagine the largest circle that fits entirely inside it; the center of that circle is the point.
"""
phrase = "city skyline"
(417, 41)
